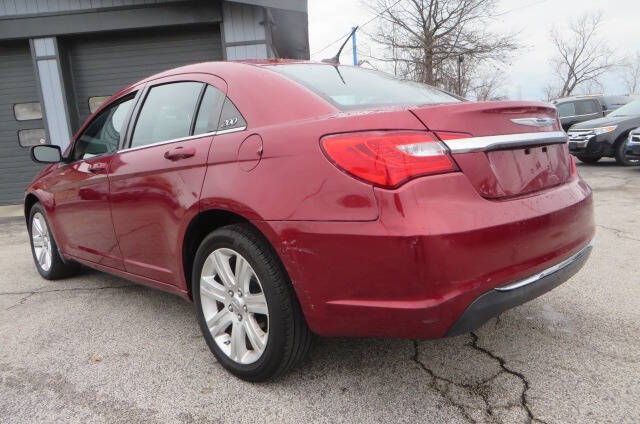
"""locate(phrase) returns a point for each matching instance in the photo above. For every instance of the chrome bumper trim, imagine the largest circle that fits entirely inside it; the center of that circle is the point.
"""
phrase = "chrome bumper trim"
(494, 142)
(546, 272)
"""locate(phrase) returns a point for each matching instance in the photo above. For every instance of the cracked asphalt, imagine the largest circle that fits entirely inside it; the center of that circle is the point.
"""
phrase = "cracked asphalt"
(95, 348)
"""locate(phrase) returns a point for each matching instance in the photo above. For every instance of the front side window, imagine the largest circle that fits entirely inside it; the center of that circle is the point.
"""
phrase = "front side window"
(349, 87)
(167, 113)
(102, 136)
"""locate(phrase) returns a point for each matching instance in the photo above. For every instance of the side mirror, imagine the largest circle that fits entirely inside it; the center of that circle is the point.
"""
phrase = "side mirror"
(46, 153)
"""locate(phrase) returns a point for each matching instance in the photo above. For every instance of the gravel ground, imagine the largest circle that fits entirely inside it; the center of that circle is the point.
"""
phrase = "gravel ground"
(96, 348)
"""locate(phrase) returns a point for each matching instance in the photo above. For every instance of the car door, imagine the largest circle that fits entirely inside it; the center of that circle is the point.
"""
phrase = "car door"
(156, 180)
(81, 188)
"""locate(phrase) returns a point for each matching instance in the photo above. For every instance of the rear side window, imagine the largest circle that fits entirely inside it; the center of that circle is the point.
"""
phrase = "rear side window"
(350, 88)
(566, 109)
(167, 113)
(587, 107)
(209, 112)
(102, 136)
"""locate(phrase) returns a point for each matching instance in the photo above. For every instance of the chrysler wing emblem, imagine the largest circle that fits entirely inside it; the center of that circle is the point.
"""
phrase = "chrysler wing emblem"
(535, 122)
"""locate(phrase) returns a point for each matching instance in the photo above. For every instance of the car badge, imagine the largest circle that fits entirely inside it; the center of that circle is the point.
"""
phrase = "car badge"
(534, 122)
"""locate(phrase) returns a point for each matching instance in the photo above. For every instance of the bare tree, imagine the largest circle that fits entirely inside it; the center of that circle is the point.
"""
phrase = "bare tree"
(581, 57)
(440, 42)
(488, 84)
(631, 73)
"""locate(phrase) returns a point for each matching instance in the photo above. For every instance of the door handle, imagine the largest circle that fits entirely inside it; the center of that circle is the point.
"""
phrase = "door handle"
(180, 152)
(98, 167)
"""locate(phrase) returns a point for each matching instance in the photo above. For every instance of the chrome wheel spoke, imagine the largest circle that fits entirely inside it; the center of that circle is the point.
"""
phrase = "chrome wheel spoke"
(223, 268)
(238, 347)
(41, 242)
(256, 303)
(218, 323)
(243, 273)
(212, 289)
(256, 336)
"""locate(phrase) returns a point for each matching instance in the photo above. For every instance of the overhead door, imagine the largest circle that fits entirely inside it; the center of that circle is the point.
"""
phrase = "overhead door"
(21, 124)
(106, 62)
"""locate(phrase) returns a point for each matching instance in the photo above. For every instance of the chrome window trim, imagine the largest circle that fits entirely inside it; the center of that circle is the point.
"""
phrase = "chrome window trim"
(579, 116)
(177, 140)
(547, 271)
(479, 144)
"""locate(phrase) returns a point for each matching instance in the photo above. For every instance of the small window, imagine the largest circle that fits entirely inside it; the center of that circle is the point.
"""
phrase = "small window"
(102, 136)
(230, 118)
(209, 113)
(167, 113)
(34, 137)
(96, 102)
(27, 111)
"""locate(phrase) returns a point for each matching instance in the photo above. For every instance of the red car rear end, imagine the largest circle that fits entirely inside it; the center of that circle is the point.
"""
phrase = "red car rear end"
(478, 210)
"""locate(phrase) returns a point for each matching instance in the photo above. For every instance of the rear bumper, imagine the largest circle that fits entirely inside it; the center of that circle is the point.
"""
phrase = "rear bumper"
(500, 299)
(436, 247)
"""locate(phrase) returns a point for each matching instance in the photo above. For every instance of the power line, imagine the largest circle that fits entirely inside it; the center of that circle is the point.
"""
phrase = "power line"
(359, 26)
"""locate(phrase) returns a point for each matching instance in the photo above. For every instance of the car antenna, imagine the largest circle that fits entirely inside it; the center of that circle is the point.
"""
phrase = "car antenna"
(335, 60)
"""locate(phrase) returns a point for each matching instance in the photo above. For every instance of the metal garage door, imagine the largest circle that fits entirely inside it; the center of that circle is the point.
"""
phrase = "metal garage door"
(18, 90)
(103, 63)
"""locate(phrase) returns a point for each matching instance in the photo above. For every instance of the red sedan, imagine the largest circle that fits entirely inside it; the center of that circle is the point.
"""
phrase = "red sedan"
(292, 198)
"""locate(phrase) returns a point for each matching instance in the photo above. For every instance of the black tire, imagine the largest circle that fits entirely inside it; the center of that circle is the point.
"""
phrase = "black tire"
(621, 157)
(589, 159)
(58, 268)
(289, 338)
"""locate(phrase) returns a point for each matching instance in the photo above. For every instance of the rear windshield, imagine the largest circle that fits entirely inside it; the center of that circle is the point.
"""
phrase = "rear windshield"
(351, 88)
(613, 102)
(630, 109)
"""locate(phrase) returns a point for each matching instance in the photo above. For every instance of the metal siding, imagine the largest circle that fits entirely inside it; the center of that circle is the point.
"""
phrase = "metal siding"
(243, 23)
(29, 7)
(17, 85)
(103, 64)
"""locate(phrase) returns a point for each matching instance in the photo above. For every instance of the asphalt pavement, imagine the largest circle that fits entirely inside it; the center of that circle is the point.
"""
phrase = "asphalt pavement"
(95, 348)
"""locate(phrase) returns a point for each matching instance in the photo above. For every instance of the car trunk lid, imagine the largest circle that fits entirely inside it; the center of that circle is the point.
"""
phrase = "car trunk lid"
(504, 148)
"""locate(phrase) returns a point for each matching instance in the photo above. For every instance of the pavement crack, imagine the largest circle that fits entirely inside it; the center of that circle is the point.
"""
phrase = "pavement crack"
(445, 392)
(618, 233)
(524, 404)
(28, 294)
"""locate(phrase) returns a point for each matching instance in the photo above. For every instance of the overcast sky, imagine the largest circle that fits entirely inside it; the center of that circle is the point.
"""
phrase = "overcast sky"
(529, 71)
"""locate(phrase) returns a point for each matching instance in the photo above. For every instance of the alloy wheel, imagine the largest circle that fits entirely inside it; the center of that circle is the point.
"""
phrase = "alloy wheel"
(41, 241)
(234, 306)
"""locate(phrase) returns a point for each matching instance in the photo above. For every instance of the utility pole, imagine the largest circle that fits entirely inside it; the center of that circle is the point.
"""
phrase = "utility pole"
(355, 49)
(460, 60)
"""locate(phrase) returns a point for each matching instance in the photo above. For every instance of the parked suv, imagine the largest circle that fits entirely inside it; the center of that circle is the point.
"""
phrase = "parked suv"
(575, 109)
(591, 140)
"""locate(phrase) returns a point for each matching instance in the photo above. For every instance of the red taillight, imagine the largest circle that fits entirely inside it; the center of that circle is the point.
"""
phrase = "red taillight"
(388, 159)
